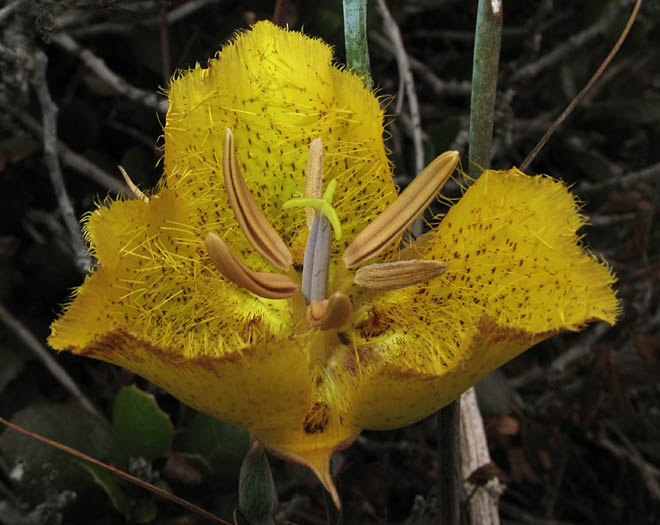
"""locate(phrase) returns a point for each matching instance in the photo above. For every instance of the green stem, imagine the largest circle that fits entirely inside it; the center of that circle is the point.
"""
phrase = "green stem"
(355, 37)
(487, 41)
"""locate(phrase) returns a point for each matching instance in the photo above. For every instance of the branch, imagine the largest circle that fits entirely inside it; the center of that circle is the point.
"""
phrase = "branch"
(474, 454)
(99, 67)
(568, 47)
(49, 116)
(647, 174)
(71, 159)
(46, 359)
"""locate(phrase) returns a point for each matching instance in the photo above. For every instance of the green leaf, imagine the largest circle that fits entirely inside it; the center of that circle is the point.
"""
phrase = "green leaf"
(37, 469)
(222, 445)
(108, 483)
(257, 494)
(142, 429)
(144, 512)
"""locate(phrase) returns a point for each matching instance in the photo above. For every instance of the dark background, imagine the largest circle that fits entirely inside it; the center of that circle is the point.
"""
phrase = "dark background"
(573, 424)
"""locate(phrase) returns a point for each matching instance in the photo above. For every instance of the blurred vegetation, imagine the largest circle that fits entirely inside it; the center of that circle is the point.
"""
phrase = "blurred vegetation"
(573, 424)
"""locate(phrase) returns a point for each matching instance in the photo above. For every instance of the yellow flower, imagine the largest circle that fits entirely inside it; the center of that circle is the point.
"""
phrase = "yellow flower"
(184, 292)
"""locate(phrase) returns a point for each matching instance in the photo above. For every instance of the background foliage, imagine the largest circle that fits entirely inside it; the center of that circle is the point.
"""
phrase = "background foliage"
(573, 424)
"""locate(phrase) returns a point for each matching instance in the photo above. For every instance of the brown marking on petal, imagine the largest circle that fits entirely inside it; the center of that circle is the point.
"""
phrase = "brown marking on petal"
(254, 224)
(495, 333)
(375, 324)
(350, 358)
(316, 419)
(110, 345)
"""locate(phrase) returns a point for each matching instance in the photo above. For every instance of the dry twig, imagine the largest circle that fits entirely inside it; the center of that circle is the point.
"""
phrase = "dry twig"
(650, 473)
(73, 160)
(49, 116)
(100, 68)
(46, 359)
(474, 454)
(407, 82)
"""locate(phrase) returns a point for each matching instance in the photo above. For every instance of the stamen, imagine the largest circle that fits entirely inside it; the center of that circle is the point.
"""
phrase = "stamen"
(258, 231)
(412, 202)
(131, 186)
(263, 284)
(331, 313)
(313, 176)
(400, 274)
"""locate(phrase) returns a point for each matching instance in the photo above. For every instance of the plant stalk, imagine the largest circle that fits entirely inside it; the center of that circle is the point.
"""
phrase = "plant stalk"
(355, 37)
(487, 41)
(488, 36)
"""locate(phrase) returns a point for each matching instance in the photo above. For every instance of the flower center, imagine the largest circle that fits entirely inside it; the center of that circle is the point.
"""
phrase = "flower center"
(322, 311)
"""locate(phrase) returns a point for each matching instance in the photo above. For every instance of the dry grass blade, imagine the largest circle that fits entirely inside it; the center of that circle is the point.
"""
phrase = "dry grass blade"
(402, 212)
(569, 109)
(263, 284)
(253, 222)
(131, 186)
(119, 473)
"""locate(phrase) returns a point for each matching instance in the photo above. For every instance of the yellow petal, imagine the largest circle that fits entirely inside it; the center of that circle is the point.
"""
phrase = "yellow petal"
(278, 91)
(260, 387)
(155, 279)
(516, 275)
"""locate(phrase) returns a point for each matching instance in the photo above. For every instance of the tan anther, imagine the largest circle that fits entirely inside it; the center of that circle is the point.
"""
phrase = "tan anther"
(131, 186)
(330, 313)
(313, 176)
(390, 276)
(251, 219)
(402, 212)
(263, 284)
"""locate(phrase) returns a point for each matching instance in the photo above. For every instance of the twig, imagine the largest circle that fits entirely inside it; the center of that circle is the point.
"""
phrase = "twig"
(627, 181)
(569, 109)
(474, 454)
(488, 37)
(563, 50)
(650, 473)
(9, 9)
(49, 116)
(175, 15)
(100, 68)
(440, 87)
(187, 9)
(115, 471)
(73, 160)
(406, 79)
(46, 358)
(279, 13)
(567, 358)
